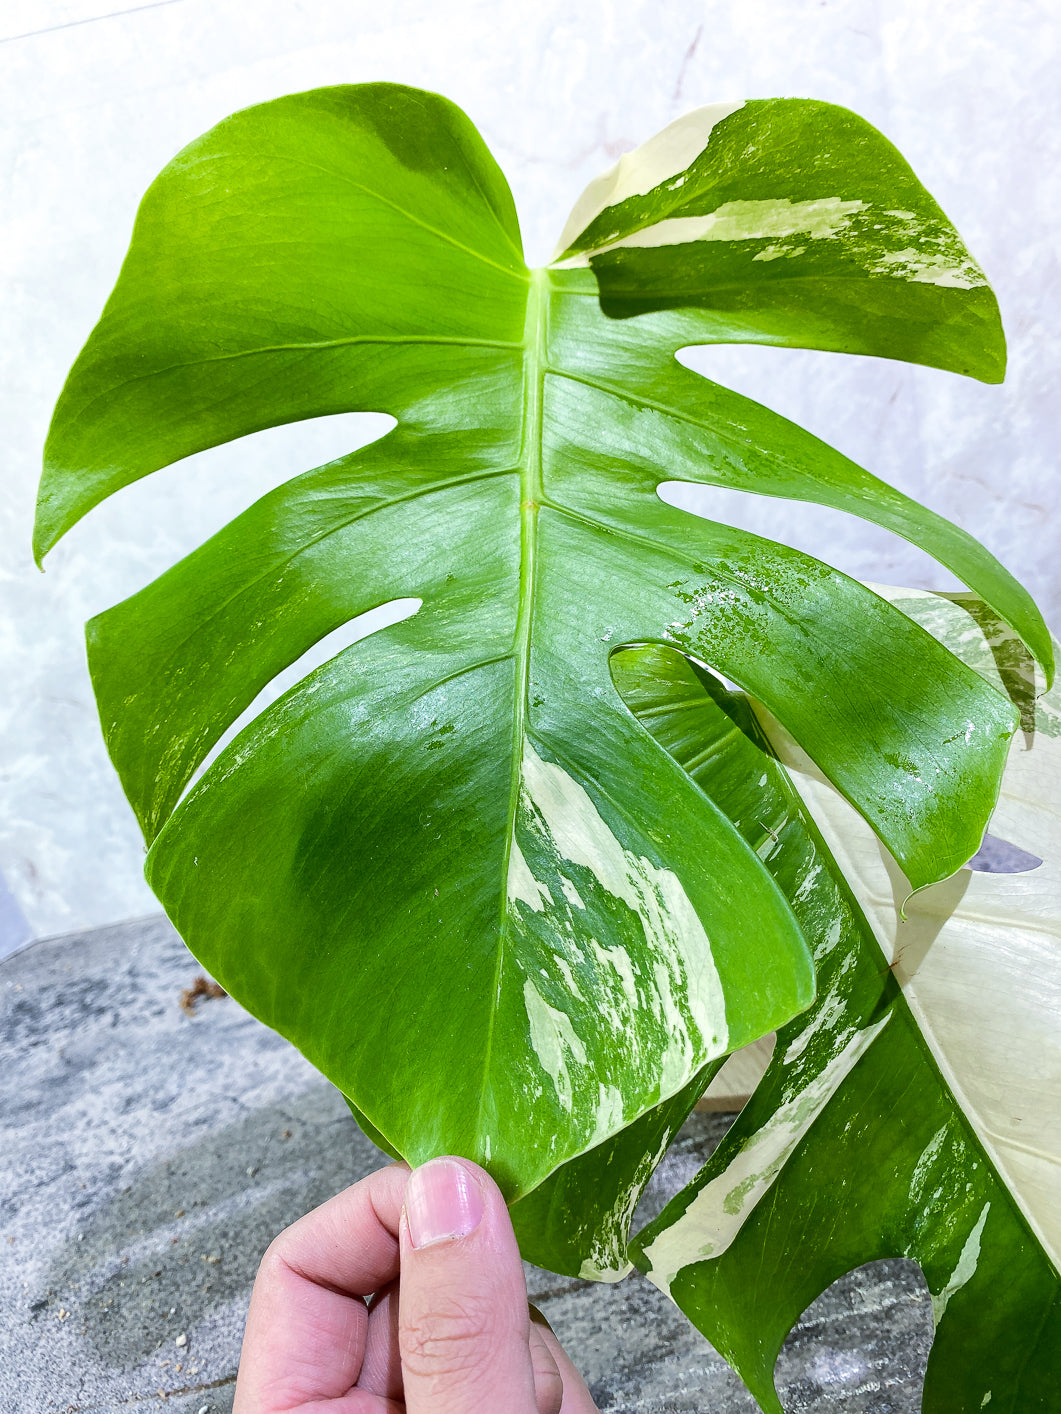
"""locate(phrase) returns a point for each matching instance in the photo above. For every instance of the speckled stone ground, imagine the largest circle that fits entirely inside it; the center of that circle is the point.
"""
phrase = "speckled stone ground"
(149, 1157)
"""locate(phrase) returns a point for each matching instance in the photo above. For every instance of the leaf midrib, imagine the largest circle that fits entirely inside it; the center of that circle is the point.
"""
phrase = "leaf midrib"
(531, 495)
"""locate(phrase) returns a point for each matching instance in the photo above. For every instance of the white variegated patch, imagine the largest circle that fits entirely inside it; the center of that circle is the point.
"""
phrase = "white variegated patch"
(606, 1260)
(675, 941)
(719, 1211)
(820, 219)
(963, 1268)
(892, 243)
(663, 951)
(662, 158)
(932, 256)
(554, 1041)
(979, 955)
(522, 884)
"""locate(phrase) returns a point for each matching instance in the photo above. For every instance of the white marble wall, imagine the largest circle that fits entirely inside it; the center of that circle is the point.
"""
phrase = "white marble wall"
(94, 103)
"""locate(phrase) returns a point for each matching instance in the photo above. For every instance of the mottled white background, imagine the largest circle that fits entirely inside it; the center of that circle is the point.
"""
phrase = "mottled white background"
(95, 103)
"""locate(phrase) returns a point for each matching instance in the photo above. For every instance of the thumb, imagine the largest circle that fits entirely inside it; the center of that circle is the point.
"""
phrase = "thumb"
(463, 1325)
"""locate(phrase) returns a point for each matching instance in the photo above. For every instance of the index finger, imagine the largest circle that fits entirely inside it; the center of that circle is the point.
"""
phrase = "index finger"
(305, 1335)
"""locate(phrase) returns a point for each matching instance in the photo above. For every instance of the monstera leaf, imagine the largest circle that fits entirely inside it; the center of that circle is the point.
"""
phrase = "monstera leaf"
(915, 1109)
(451, 865)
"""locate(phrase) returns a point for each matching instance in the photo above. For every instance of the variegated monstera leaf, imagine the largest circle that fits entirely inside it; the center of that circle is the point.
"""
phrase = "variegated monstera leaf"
(915, 1109)
(451, 865)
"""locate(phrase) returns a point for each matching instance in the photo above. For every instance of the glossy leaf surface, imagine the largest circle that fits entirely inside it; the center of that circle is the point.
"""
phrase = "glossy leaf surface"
(450, 864)
(915, 1109)
(787, 221)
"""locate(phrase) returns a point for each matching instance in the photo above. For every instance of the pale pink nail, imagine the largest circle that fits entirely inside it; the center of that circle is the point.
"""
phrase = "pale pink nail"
(442, 1201)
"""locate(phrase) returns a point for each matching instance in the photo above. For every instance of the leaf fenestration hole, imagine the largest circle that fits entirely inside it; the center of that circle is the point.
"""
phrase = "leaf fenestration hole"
(326, 648)
(840, 539)
(997, 856)
(732, 1087)
(690, 1149)
(163, 517)
(871, 1322)
(705, 1127)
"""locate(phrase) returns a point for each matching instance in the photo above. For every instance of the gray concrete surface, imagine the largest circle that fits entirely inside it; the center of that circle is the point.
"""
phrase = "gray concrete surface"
(150, 1156)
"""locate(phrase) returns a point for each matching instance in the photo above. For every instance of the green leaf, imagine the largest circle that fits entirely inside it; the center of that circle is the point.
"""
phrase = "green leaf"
(914, 1109)
(450, 864)
(578, 1221)
(787, 221)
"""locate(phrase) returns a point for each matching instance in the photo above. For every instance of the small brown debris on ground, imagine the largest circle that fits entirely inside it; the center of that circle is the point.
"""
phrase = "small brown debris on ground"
(202, 989)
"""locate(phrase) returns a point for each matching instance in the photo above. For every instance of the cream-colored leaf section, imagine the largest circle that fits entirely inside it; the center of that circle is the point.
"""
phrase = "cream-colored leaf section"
(719, 1211)
(665, 156)
(522, 885)
(554, 1040)
(964, 1268)
(931, 255)
(607, 1260)
(821, 219)
(676, 949)
(617, 934)
(979, 955)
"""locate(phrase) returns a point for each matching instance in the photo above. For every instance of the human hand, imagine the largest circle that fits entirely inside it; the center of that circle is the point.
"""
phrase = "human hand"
(447, 1329)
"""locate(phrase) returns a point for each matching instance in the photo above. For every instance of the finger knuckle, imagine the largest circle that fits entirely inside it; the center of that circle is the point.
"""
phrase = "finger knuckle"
(548, 1390)
(449, 1339)
(274, 1260)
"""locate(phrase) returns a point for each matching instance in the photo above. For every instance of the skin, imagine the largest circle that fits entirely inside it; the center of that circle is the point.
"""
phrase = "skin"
(402, 1295)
